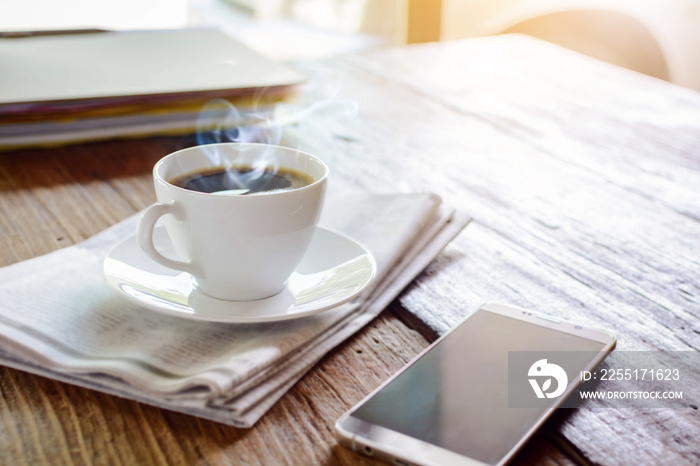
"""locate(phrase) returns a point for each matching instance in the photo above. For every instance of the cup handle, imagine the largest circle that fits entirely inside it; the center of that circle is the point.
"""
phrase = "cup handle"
(145, 237)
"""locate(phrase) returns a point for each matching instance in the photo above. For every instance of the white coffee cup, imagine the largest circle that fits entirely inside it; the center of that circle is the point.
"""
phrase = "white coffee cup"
(236, 247)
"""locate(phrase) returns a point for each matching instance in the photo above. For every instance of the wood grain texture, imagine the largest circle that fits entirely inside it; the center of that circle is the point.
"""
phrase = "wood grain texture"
(582, 179)
(583, 182)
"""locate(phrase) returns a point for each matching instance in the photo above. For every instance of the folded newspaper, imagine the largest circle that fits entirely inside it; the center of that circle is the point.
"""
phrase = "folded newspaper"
(60, 319)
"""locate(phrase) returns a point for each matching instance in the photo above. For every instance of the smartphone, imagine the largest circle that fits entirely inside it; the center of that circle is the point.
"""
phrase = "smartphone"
(453, 404)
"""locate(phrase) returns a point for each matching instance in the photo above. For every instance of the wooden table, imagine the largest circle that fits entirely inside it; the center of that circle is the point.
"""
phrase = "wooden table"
(582, 178)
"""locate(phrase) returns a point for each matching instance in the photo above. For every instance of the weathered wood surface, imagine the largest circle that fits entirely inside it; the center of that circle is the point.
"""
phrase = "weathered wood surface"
(583, 182)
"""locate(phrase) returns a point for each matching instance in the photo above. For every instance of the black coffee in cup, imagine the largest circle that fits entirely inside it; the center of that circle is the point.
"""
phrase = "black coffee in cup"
(242, 180)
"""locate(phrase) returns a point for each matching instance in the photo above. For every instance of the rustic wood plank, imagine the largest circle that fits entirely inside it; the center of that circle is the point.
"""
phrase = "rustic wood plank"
(578, 211)
(55, 198)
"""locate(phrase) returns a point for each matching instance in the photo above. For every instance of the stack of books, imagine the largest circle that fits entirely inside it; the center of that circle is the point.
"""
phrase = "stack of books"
(67, 88)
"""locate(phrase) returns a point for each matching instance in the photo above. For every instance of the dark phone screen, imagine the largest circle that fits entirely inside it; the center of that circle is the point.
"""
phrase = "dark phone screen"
(456, 395)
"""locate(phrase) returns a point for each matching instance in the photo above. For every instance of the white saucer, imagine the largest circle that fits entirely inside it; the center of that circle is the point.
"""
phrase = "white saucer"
(334, 270)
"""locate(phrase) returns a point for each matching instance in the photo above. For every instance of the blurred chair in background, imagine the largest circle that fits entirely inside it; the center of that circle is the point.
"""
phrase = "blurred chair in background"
(606, 35)
(657, 37)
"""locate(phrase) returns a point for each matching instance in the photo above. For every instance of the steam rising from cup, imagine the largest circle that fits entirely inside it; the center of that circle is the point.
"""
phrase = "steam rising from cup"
(264, 121)
(220, 121)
